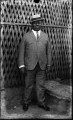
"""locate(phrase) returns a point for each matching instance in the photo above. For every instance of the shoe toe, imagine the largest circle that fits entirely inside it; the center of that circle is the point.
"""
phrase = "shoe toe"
(25, 107)
(45, 107)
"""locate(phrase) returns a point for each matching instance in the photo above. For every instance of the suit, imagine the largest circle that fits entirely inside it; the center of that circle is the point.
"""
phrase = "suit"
(35, 54)
(33, 51)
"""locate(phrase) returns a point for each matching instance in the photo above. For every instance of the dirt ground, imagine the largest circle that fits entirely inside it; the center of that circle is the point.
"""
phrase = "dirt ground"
(11, 106)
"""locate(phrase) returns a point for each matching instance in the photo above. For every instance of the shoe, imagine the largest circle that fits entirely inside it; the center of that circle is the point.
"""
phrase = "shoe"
(25, 107)
(45, 107)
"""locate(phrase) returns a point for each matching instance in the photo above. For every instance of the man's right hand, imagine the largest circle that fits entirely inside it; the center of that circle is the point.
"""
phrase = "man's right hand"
(23, 70)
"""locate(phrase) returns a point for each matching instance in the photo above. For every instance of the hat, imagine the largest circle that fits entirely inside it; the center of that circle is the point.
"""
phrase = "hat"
(36, 17)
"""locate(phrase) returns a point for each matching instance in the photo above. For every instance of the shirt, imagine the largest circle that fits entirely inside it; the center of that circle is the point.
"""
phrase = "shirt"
(35, 32)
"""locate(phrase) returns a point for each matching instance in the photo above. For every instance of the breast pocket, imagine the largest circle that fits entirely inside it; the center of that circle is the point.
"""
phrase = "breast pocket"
(30, 45)
(30, 42)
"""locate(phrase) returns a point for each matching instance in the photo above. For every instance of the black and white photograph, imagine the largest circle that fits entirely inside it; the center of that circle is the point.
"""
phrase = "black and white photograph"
(36, 59)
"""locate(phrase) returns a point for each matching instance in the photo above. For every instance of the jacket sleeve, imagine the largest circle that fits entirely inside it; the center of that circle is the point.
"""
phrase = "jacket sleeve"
(22, 53)
(48, 52)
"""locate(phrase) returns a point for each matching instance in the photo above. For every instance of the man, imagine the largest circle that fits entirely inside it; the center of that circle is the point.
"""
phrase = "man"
(34, 58)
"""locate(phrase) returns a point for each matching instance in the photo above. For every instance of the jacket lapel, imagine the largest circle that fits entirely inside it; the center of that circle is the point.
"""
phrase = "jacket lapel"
(32, 35)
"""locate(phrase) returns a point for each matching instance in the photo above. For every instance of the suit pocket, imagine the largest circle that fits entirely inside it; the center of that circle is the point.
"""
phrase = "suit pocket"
(30, 42)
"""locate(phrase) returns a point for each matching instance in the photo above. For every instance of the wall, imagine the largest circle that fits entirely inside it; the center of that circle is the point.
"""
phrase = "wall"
(57, 23)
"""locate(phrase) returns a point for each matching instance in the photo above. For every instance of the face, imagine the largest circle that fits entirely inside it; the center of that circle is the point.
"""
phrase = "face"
(35, 25)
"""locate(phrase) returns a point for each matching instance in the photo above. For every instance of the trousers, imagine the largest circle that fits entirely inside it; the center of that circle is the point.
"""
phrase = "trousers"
(38, 76)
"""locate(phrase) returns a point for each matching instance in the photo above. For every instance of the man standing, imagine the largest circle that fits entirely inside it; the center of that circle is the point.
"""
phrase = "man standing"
(34, 57)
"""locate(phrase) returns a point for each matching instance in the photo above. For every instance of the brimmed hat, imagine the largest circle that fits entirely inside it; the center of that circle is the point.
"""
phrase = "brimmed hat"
(36, 17)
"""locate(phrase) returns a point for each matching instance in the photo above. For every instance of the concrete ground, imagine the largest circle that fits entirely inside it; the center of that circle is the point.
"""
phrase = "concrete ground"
(11, 106)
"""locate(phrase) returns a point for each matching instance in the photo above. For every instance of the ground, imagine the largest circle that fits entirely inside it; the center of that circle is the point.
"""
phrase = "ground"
(11, 106)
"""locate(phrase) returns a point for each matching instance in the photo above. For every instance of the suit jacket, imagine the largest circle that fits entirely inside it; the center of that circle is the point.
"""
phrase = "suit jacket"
(32, 51)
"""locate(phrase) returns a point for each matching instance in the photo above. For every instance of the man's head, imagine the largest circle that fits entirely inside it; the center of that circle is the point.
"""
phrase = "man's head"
(36, 21)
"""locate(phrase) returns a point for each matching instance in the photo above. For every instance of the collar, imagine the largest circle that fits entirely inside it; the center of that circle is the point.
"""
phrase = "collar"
(36, 32)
